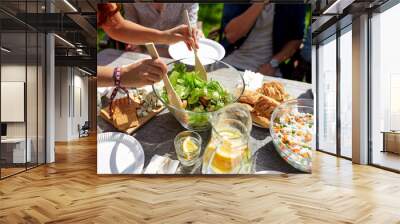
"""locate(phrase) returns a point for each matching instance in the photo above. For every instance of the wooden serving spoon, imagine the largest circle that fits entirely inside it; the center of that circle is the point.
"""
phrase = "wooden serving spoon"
(173, 97)
(197, 63)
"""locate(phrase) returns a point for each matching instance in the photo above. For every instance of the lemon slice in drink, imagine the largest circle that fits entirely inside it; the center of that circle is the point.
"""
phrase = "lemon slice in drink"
(189, 146)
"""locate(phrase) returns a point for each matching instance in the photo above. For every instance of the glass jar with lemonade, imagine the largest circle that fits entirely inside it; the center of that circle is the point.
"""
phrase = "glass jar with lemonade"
(228, 151)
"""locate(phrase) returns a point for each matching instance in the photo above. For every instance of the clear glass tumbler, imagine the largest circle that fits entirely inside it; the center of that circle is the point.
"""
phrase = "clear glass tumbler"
(188, 147)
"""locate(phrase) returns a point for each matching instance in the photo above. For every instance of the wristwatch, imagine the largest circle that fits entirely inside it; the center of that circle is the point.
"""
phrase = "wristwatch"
(274, 63)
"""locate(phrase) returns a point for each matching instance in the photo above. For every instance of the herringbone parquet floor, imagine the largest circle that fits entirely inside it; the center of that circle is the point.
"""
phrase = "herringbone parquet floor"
(69, 191)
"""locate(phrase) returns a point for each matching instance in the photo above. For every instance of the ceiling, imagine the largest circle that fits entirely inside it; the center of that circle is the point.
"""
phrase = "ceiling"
(83, 6)
(76, 24)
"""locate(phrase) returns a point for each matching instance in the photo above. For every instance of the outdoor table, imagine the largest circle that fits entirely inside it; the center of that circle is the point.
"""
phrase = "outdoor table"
(157, 136)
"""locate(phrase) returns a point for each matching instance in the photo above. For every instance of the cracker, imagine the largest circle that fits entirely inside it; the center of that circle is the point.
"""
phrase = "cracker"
(124, 114)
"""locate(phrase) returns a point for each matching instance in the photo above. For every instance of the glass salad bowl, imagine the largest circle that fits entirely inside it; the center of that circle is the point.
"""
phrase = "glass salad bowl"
(224, 86)
(292, 132)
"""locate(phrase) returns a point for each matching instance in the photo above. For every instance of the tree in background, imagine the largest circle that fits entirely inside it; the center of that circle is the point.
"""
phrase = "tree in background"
(210, 15)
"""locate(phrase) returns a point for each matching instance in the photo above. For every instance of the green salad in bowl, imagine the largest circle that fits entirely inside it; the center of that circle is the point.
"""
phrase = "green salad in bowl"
(200, 97)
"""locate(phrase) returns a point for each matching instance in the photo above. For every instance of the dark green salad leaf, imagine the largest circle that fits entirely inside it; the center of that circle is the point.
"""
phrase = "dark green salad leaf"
(200, 95)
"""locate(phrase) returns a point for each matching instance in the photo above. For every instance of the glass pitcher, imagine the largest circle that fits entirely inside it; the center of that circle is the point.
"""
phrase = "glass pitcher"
(227, 151)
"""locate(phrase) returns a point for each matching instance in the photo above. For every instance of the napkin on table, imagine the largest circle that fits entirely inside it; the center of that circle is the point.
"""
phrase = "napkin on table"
(161, 165)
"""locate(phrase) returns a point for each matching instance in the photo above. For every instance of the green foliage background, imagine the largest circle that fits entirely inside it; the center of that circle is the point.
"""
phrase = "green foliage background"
(210, 15)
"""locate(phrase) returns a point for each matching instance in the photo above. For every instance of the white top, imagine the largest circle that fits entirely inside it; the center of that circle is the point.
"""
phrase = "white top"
(257, 48)
(170, 16)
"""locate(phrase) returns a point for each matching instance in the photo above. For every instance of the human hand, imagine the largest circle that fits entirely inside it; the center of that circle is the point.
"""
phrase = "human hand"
(143, 72)
(181, 33)
(267, 69)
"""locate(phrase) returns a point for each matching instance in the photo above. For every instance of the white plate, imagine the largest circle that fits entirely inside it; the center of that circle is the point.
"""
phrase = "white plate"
(119, 153)
(208, 50)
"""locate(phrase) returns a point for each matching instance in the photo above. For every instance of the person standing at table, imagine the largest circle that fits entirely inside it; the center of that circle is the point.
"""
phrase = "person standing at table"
(161, 16)
(142, 72)
(263, 38)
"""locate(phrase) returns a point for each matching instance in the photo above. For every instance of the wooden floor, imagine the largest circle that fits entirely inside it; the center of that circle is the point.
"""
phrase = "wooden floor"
(69, 191)
(10, 171)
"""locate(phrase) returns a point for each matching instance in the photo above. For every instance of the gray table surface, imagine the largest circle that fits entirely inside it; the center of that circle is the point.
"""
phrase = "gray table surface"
(157, 136)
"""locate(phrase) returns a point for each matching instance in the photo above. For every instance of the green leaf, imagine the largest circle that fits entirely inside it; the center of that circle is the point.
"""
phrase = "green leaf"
(189, 86)
(182, 91)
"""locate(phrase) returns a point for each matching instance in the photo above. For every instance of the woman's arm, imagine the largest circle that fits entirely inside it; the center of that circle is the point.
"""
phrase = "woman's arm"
(141, 73)
(128, 32)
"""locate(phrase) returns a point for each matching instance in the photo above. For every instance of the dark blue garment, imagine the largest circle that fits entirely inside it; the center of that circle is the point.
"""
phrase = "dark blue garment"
(289, 24)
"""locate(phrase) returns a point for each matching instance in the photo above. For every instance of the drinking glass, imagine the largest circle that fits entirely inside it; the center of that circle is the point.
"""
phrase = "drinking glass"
(188, 147)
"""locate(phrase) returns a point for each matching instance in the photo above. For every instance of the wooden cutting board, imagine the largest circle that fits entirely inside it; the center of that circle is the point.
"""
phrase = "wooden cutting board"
(105, 114)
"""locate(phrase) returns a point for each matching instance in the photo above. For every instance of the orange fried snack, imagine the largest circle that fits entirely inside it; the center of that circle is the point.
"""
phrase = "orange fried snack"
(250, 97)
(265, 106)
(262, 121)
(274, 90)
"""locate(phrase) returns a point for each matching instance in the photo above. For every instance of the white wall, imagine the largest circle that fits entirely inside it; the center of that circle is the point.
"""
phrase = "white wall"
(15, 73)
(69, 81)
(61, 103)
(80, 83)
(34, 125)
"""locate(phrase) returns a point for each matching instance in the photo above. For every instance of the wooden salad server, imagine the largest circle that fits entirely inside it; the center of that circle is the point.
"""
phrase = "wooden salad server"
(197, 63)
(173, 97)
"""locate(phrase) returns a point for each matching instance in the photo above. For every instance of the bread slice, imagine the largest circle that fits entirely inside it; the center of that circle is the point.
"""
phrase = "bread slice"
(249, 97)
(265, 106)
(262, 121)
(274, 90)
(124, 113)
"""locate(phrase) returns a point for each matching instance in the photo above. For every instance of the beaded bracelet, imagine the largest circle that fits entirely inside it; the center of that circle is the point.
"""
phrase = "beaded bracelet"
(117, 83)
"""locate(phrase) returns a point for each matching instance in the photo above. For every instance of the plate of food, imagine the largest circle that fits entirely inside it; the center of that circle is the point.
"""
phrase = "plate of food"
(200, 97)
(208, 52)
(119, 153)
(128, 113)
(292, 132)
(263, 100)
